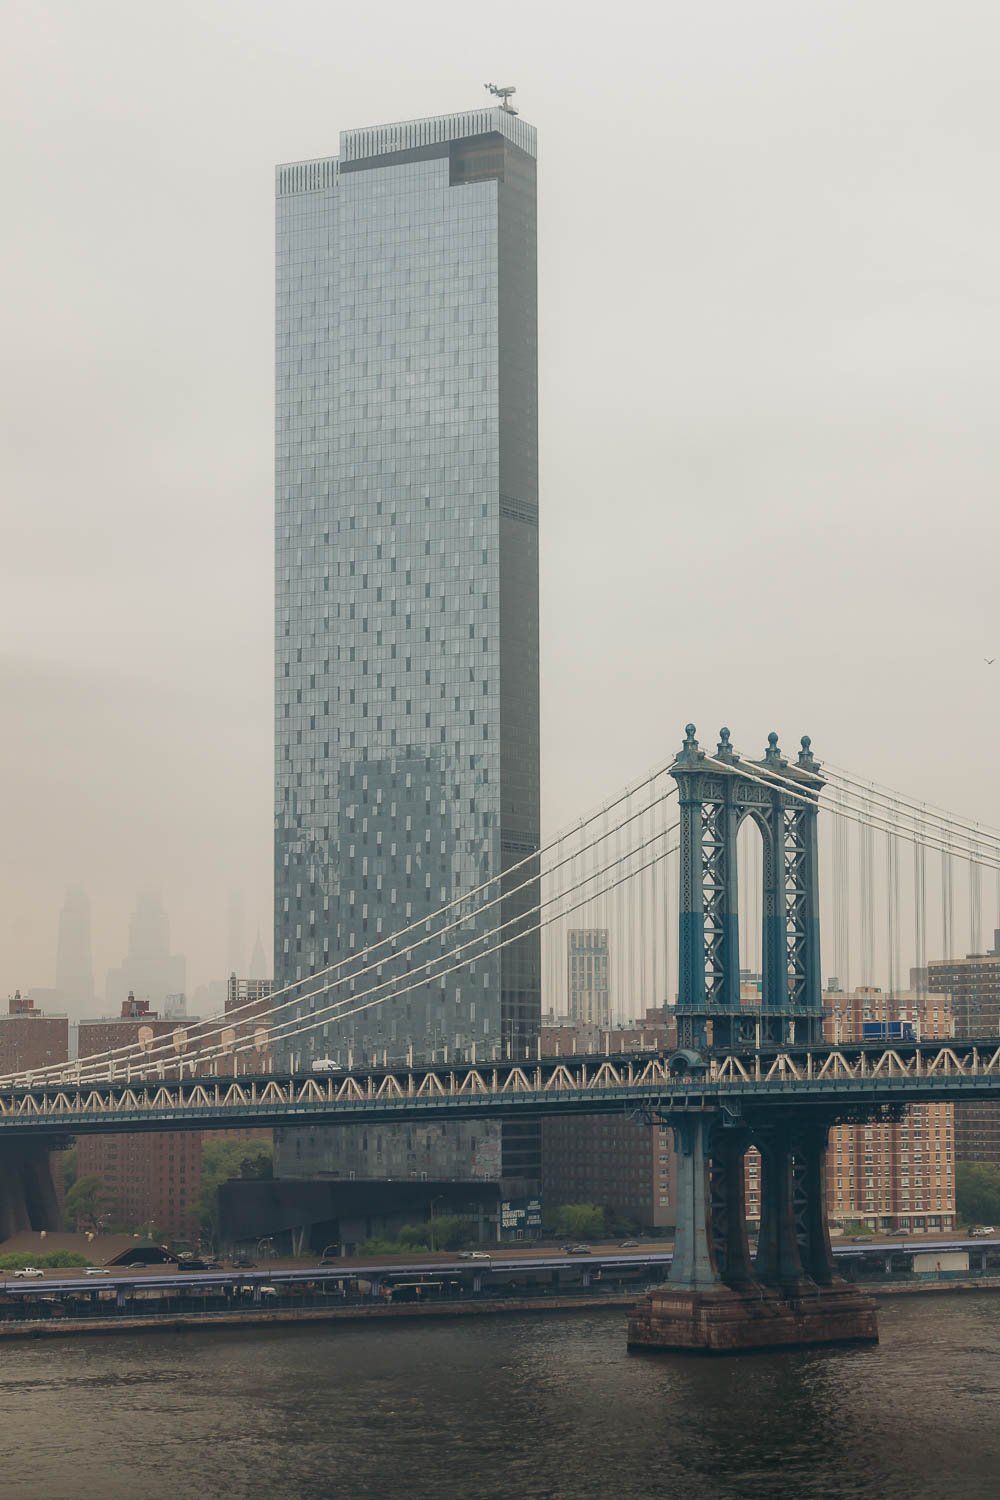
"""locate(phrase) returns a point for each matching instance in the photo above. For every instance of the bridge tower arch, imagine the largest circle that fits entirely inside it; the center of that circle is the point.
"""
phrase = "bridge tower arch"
(716, 794)
(717, 1296)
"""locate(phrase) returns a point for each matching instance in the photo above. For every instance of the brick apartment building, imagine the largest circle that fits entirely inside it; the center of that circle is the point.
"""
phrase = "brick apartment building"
(627, 1167)
(899, 1175)
(248, 1005)
(154, 1179)
(29, 1038)
(973, 983)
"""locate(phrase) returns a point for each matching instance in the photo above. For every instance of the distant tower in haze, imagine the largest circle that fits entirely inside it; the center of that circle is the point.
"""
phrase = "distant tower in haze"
(237, 933)
(150, 970)
(259, 966)
(74, 956)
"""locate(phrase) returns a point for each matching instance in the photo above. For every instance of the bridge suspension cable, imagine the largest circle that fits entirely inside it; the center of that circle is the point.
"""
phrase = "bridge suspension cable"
(226, 1020)
(149, 1055)
(855, 807)
(356, 1009)
(928, 813)
(288, 1028)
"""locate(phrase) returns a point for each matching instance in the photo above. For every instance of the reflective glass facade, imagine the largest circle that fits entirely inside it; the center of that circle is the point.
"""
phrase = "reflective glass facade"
(407, 597)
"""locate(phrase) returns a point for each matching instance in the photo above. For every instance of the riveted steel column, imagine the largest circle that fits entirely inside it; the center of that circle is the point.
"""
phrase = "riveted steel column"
(774, 986)
(729, 998)
(691, 1031)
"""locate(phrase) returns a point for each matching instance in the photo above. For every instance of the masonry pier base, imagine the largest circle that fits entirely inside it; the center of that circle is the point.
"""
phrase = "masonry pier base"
(717, 1299)
(726, 1320)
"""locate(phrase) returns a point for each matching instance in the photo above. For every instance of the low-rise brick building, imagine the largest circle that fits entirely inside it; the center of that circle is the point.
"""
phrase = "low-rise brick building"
(29, 1038)
(627, 1167)
(973, 983)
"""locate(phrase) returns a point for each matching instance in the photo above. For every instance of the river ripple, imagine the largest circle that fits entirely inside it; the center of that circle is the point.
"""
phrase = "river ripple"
(526, 1408)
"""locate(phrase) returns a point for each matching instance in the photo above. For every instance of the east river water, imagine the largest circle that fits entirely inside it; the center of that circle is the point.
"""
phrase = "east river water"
(525, 1408)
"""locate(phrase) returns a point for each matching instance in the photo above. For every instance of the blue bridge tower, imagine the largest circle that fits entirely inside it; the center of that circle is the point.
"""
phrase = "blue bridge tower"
(719, 1297)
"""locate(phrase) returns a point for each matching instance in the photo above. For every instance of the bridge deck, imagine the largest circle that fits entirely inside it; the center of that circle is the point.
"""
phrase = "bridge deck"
(825, 1079)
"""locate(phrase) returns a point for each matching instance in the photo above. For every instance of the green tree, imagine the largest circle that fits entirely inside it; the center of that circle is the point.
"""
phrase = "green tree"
(85, 1200)
(443, 1232)
(579, 1221)
(379, 1244)
(977, 1192)
(223, 1160)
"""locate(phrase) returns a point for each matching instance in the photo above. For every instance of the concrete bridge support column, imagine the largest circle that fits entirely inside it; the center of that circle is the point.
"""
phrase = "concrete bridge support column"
(812, 1228)
(694, 1252)
(27, 1194)
(778, 1259)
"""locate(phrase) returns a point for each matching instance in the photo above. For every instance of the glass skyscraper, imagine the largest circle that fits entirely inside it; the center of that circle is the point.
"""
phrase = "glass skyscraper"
(407, 607)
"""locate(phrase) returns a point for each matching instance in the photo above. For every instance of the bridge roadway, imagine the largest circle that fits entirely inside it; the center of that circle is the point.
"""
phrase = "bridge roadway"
(503, 1265)
(829, 1079)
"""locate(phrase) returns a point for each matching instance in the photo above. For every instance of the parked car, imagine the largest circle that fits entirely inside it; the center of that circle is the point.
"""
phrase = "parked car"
(29, 1273)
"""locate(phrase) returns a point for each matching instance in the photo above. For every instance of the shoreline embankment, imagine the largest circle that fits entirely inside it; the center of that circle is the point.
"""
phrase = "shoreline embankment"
(244, 1317)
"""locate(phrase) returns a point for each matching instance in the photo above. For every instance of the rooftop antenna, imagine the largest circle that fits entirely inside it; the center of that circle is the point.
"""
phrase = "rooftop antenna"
(503, 94)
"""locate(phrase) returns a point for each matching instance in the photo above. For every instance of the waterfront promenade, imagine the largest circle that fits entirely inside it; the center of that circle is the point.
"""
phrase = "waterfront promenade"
(534, 1279)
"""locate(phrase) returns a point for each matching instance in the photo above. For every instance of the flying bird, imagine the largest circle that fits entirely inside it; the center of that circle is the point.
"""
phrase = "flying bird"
(989, 660)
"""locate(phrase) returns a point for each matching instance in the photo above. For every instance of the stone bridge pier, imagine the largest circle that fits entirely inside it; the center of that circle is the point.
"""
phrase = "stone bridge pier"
(719, 1299)
(716, 1297)
(27, 1194)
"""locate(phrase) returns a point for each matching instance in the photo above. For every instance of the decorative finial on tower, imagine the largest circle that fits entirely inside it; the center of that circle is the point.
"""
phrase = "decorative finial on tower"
(725, 750)
(772, 754)
(689, 749)
(806, 758)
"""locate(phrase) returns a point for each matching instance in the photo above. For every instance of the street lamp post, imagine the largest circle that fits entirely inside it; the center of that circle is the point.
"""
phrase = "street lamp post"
(439, 1199)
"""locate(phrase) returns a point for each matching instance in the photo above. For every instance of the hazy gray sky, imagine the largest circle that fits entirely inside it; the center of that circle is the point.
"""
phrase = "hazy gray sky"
(769, 240)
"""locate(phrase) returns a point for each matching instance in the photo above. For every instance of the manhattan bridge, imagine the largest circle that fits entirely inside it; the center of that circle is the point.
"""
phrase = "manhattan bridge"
(706, 867)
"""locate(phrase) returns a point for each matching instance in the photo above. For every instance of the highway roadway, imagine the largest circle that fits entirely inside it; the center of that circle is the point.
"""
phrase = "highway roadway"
(503, 1262)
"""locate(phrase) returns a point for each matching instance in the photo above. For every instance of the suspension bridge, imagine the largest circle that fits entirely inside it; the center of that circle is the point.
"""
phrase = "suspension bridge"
(705, 868)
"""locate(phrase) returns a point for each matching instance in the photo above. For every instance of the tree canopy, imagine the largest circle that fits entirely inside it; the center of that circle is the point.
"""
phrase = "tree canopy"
(977, 1192)
(578, 1221)
(85, 1201)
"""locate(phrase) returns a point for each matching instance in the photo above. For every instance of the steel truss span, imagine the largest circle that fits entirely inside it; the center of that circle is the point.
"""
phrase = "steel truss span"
(827, 1079)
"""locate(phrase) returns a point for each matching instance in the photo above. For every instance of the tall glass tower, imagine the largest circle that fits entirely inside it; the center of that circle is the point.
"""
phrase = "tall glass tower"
(407, 605)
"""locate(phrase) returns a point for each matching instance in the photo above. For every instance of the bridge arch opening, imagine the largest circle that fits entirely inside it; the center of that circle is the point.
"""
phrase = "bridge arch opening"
(750, 909)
